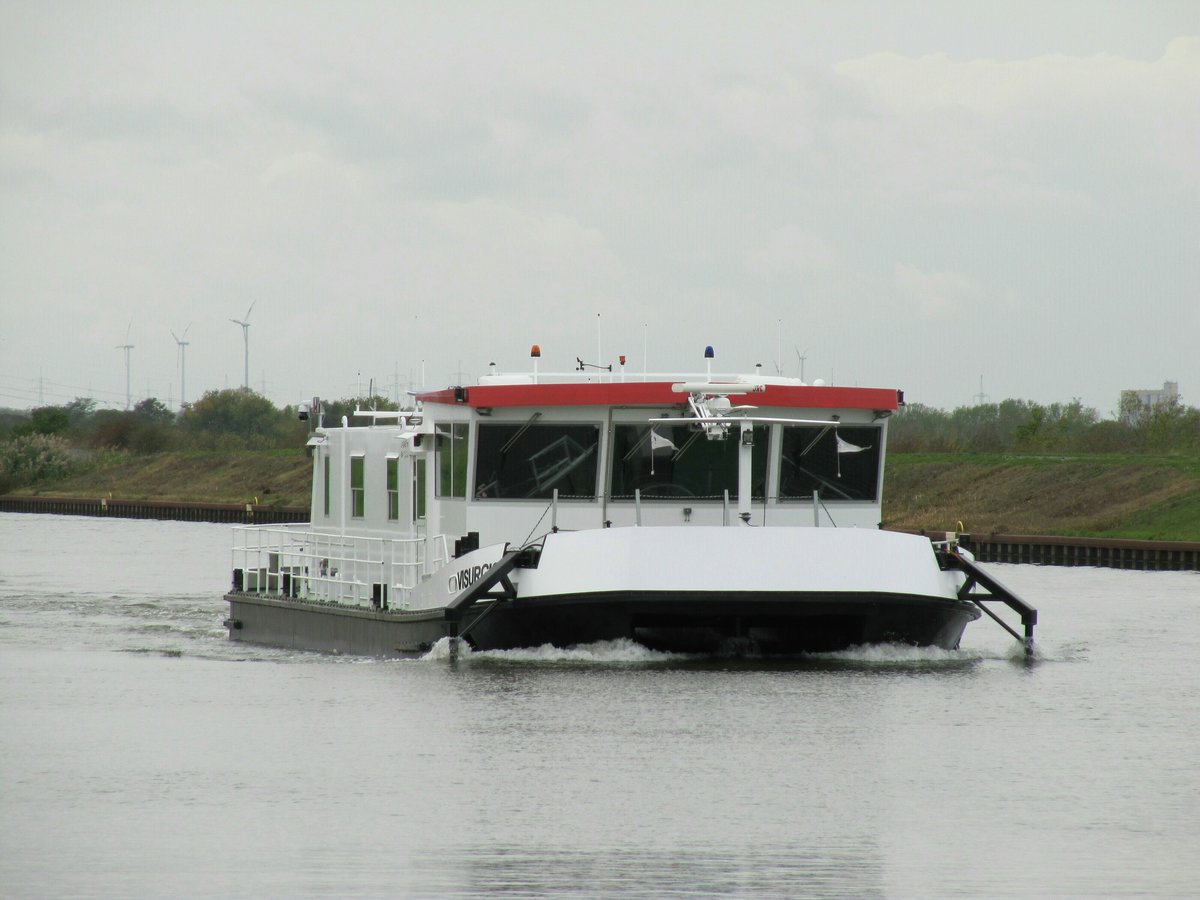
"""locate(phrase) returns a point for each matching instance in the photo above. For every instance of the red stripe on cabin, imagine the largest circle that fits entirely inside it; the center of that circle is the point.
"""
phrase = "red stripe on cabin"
(658, 393)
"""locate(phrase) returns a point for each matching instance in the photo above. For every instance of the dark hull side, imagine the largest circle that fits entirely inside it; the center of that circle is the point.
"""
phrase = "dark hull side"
(690, 623)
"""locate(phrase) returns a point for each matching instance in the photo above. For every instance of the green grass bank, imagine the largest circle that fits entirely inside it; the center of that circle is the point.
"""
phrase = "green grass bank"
(267, 477)
(1128, 496)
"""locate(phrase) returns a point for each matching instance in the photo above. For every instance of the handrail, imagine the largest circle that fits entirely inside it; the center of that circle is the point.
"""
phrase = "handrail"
(334, 567)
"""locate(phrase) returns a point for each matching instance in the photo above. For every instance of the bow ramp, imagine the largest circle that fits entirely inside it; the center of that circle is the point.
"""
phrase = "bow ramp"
(977, 577)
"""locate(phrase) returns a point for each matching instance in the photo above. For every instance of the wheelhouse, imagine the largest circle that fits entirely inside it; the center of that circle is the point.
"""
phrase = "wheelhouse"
(498, 458)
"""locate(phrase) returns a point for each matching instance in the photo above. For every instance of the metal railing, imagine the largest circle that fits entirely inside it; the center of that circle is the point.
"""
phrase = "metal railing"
(299, 563)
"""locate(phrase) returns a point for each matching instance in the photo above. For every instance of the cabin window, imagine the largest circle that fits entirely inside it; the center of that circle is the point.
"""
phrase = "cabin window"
(531, 461)
(326, 484)
(419, 489)
(452, 450)
(672, 462)
(393, 488)
(841, 462)
(358, 498)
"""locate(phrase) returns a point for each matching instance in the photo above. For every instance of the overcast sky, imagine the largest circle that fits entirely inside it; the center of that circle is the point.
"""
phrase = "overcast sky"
(910, 195)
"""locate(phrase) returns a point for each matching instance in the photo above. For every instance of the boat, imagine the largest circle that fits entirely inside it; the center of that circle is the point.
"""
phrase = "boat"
(693, 513)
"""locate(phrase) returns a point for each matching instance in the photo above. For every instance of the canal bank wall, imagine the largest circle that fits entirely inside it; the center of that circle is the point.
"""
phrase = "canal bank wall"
(233, 513)
(1054, 550)
(1046, 550)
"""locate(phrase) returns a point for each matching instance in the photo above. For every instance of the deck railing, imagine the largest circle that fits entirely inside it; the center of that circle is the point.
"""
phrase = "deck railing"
(299, 563)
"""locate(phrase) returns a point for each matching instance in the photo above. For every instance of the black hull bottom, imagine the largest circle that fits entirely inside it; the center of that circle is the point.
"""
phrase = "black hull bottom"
(689, 623)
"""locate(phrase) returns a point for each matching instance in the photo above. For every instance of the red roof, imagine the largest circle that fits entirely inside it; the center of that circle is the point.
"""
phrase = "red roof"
(655, 393)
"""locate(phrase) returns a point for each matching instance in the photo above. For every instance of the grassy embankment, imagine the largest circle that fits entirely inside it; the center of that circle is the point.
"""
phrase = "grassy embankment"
(1149, 497)
(270, 477)
(1134, 496)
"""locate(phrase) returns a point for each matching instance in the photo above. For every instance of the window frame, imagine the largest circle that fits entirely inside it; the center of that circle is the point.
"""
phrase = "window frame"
(569, 454)
(832, 463)
(622, 465)
(392, 481)
(358, 493)
(420, 474)
(328, 486)
(452, 454)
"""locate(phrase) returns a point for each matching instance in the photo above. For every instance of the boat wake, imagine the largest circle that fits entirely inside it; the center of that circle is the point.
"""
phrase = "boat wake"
(625, 651)
(621, 651)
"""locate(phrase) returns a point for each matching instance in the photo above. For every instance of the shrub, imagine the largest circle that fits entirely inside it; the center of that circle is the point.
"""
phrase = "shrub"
(34, 457)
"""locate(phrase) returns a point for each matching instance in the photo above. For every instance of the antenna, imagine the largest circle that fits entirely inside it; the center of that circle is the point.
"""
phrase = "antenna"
(245, 323)
(802, 357)
(645, 350)
(182, 363)
(127, 347)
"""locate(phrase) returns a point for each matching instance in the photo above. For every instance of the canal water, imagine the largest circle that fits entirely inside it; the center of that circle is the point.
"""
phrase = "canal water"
(144, 755)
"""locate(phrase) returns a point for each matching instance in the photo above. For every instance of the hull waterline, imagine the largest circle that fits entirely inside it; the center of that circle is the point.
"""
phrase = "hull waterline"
(776, 624)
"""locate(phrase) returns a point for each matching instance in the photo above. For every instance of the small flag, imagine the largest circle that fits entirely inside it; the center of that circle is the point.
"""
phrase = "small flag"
(658, 442)
(847, 447)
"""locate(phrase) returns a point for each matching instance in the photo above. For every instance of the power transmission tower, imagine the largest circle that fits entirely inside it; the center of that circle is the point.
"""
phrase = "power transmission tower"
(127, 347)
(980, 398)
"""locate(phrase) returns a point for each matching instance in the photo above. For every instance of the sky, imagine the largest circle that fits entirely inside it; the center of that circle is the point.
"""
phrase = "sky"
(954, 199)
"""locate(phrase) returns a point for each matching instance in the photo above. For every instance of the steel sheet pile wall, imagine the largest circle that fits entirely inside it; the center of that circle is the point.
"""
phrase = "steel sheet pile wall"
(248, 513)
(1113, 553)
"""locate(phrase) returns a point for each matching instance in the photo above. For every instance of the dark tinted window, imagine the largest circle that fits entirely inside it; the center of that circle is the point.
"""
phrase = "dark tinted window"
(842, 463)
(533, 460)
(678, 461)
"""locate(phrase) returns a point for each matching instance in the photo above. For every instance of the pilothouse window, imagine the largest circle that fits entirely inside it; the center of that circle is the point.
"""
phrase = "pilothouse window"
(669, 461)
(842, 462)
(531, 461)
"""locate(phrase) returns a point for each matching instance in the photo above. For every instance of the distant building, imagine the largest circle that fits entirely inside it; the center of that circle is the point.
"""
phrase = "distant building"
(1132, 401)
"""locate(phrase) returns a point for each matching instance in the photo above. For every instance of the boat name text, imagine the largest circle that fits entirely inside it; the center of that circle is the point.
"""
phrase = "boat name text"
(463, 579)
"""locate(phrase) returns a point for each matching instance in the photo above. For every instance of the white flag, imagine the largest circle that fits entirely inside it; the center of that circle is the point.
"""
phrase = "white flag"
(658, 442)
(847, 447)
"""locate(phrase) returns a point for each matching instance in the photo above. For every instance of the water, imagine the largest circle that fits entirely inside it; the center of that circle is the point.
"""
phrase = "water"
(143, 754)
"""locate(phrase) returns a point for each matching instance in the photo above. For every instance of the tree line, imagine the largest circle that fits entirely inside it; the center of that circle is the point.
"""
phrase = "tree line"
(1021, 425)
(50, 441)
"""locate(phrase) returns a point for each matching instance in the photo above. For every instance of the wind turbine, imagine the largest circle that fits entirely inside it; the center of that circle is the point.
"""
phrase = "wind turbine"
(182, 364)
(127, 347)
(245, 323)
(802, 357)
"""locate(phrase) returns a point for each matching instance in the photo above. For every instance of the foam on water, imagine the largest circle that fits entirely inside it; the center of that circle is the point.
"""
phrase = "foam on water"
(621, 650)
(624, 651)
(894, 654)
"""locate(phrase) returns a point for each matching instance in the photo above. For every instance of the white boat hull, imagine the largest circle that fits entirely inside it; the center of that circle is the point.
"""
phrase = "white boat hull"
(780, 590)
(692, 589)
